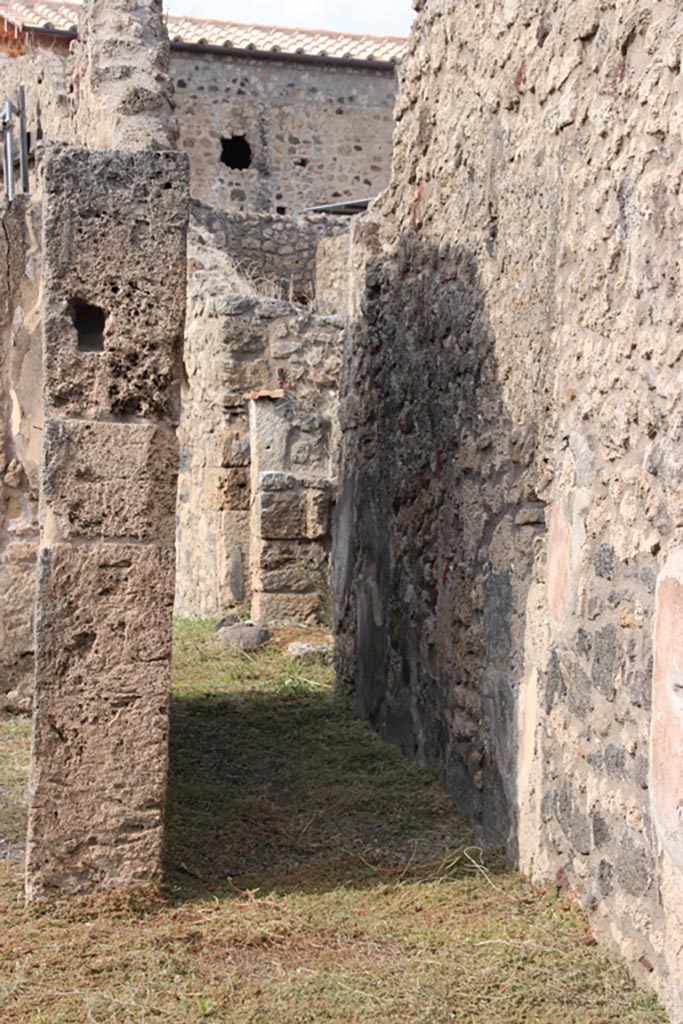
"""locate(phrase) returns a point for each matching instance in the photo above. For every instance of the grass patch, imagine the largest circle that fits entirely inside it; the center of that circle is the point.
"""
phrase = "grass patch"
(314, 876)
(15, 735)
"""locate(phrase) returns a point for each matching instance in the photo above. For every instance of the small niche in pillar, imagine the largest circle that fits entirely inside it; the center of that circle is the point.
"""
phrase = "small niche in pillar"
(89, 322)
(236, 153)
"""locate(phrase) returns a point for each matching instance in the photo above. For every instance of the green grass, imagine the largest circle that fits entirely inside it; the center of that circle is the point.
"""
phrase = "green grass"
(14, 750)
(314, 876)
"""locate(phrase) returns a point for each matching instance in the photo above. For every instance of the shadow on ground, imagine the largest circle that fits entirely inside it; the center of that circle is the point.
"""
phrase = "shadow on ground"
(315, 877)
(291, 792)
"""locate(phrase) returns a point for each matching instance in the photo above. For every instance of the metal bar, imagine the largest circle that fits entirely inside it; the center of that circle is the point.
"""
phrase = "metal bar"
(3, 133)
(350, 207)
(10, 164)
(23, 141)
(9, 151)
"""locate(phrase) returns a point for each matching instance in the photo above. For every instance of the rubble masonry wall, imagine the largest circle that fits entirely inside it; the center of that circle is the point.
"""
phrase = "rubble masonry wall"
(317, 134)
(511, 512)
(277, 254)
(237, 346)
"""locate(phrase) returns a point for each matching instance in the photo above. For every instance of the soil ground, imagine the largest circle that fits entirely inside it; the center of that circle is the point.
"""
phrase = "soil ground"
(313, 876)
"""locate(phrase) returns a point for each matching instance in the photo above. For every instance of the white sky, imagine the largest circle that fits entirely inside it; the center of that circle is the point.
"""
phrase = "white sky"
(380, 17)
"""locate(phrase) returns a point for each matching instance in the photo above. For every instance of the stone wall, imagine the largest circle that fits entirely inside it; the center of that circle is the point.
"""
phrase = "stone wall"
(20, 436)
(316, 133)
(510, 514)
(111, 91)
(242, 349)
(44, 76)
(332, 272)
(277, 254)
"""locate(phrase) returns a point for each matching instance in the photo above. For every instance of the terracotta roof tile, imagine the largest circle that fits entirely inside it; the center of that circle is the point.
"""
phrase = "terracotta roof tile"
(63, 16)
(37, 14)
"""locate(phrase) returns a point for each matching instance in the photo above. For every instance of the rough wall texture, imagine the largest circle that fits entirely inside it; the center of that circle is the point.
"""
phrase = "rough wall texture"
(20, 420)
(333, 272)
(122, 93)
(317, 134)
(277, 254)
(291, 499)
(513, 416)
(44, 77)
(237, 345)
(114, 234)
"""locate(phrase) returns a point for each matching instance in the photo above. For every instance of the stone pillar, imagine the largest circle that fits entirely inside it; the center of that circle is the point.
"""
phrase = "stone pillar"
(291, 497)
(114, 301)
(122, 92)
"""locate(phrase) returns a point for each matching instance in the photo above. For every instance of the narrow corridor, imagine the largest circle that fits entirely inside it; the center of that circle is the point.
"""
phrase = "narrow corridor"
(312, 875)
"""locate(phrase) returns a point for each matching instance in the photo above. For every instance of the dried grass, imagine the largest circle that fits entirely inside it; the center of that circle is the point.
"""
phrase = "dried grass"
(314, 876)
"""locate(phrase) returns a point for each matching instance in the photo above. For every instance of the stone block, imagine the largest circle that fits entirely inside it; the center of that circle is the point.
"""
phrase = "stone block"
(281, 515)
(235, 448)
(635, 867)
(294, 578)
(606, 654)
(99, 755)
(318, 509)
(22, 552)
(236, 562)
(286, 607)
(312, 652)
(114, 263)
(285, 437)
(111, 480)
(276, 555)
(293, 514)
(244, 636)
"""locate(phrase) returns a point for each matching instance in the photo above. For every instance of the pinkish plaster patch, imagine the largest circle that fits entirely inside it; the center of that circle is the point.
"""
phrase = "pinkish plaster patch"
(666, 758)
(559, 562)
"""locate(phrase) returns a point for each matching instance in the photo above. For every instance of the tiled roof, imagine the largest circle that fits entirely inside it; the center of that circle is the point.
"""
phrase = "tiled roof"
(36, 14)
(286, 40)
(57, 14)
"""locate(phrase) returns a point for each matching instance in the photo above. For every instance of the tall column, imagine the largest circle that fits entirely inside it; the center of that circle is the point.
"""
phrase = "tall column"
(121, 88)
(114, 303)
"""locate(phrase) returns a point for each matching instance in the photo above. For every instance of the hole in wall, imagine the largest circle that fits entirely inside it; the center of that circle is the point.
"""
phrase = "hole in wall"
(236, 153)
(89, 322)
(282, 210)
